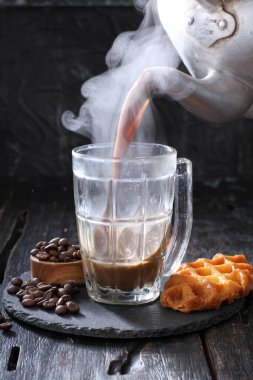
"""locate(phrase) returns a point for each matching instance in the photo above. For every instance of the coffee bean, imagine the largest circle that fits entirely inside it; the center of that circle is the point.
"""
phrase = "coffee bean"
(66, 254)
(35, 251)
(77, 255)
(61, 249)
(28, 297)
(48, 294)
(37, 293)
(43, 286)
(72, 307)
(28, 303)
(55, 240)
(26, 283)
(16, 281)
(39, 244)
(61, 292)
(67, 288)
(2, 319)
(50, 247)
(55, 289)
(35, 281)
(67, 260)
(21, 293)
(38, 299)
(53, 259)
(61, 309)
(61, 257)
(48, 305)
(63, 241)
(53, 300)
(71, 249)
(65, 298)
(43, 256)
(5, 326)
(40, 302)
(13, 290)
(30, 287)
(54, 253)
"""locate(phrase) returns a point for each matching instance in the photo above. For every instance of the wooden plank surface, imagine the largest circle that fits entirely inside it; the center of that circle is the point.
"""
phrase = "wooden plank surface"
(50, 356)
(14, 201)
(230, 345)
(222, 352)
(223, 222)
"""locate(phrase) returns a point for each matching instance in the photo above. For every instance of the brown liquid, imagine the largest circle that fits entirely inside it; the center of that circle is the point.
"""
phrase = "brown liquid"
(126, 130)
(129, 275)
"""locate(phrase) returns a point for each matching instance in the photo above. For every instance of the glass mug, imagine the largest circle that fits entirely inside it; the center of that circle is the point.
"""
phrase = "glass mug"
(133, 227)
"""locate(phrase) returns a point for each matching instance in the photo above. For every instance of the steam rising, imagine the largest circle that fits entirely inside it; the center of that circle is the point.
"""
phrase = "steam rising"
(104, 95)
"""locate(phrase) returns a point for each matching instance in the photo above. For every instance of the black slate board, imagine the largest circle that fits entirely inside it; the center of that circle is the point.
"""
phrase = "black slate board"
(106, 321)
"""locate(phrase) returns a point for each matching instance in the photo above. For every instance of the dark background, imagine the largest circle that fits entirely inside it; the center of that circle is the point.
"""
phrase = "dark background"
(48, 49)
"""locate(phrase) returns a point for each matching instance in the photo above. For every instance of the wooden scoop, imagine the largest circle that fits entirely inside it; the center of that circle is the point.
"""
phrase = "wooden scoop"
(59, 273)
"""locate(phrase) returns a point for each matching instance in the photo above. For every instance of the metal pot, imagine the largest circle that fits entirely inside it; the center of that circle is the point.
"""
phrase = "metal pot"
(214, 39)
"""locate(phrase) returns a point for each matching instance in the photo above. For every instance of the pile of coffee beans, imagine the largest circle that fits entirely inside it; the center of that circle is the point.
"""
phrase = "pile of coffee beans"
(4, 324)
(56, 250)
(55, 297)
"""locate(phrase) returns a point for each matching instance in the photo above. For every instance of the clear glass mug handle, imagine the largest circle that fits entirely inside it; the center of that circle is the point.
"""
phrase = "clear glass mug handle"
(182, 214)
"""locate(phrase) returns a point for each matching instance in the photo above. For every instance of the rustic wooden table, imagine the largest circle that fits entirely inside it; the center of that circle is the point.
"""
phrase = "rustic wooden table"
(223, 221)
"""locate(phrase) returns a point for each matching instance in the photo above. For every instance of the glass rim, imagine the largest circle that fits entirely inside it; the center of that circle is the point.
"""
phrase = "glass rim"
(170, 151)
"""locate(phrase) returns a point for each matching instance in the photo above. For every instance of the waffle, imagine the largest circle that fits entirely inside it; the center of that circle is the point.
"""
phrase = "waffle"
(205, 284)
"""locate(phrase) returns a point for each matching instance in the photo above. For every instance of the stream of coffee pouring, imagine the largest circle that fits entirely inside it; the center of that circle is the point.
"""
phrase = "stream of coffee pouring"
(127, 127)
